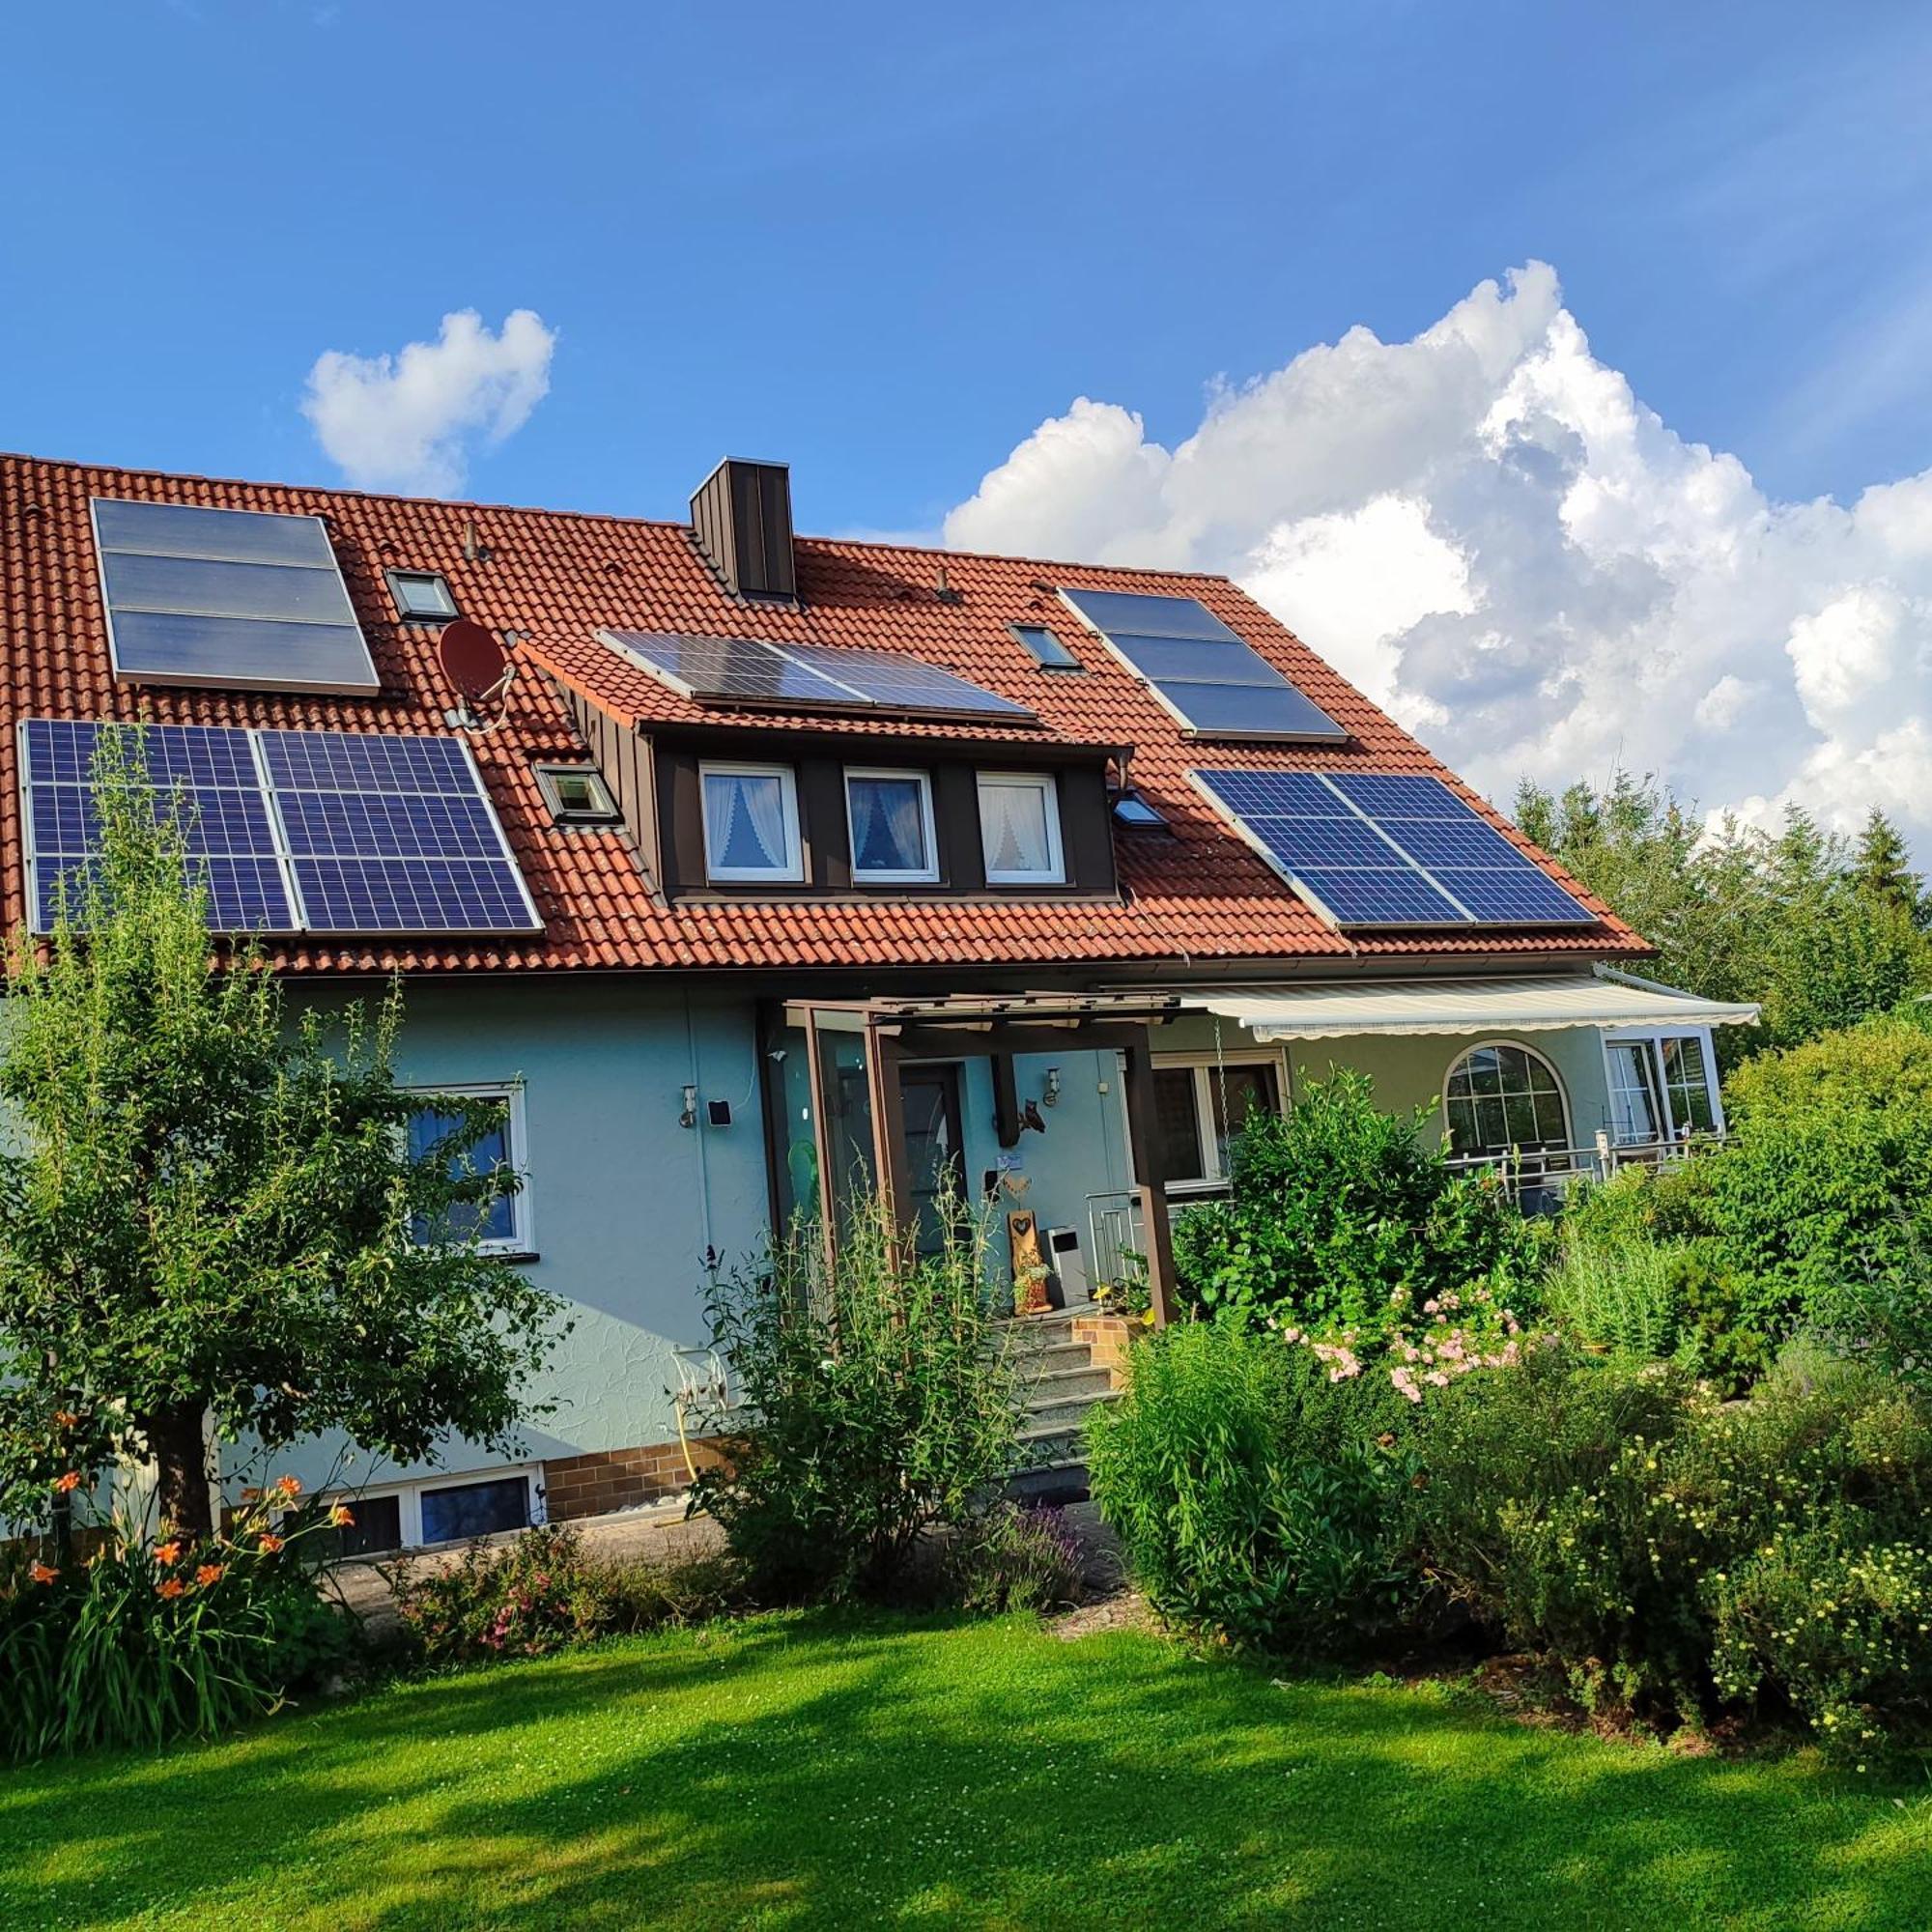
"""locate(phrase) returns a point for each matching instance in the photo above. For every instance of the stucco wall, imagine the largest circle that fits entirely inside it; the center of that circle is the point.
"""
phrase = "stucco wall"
(623, 1200)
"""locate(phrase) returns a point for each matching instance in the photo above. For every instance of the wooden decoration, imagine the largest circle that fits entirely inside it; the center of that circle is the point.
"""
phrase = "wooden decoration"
(1029, 1263)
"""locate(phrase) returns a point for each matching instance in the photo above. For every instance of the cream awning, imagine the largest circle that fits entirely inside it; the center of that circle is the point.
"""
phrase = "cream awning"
(1462, 1006)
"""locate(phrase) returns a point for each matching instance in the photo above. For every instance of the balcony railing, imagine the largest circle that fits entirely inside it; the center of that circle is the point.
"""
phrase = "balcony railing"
(1540, 1177)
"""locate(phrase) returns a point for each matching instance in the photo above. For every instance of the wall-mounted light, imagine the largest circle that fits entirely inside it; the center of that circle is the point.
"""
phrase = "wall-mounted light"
(688, 1118)
(1052, 1094)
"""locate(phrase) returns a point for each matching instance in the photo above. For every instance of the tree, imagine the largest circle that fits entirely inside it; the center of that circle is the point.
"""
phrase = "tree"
(1880, 870)
(211, 1221)
(1822, 935)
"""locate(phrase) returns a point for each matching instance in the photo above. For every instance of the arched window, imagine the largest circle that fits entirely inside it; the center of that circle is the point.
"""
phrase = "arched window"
(1500, 1097)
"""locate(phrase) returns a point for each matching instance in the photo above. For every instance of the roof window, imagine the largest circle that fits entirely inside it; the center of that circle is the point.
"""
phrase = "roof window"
(577, 795)
(1047, 651)
(422, 596)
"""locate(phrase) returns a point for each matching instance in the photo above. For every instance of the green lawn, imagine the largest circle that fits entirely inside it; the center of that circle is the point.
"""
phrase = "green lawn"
(800, 1772)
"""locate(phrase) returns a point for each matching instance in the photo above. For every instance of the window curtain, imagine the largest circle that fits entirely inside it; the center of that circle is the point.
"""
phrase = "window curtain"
(1014, 820)
(747, 821)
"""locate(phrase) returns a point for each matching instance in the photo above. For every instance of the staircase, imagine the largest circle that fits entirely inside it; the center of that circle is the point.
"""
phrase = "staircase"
(1062, 1381)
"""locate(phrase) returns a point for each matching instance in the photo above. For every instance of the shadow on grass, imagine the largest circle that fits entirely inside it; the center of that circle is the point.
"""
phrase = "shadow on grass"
(821, 1772)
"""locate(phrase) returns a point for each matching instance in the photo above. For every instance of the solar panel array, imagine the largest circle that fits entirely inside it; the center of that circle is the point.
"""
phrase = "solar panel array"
(242, 598)
(1209, 676)
(751, 672)
(1388, 851)
(322, 832)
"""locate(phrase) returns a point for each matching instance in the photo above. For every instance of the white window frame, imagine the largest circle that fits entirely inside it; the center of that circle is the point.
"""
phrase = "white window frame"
(522, 1239)
(1555, 1072)
(921, 875)
(793, 873)
(554, 774)
(1213, 1178)
(408, 1497)
(1048, 786)
(1654, 1037)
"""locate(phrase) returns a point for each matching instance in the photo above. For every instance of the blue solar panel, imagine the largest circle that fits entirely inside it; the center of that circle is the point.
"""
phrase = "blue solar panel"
(379, 834)
(393, 834)
(1379, 849)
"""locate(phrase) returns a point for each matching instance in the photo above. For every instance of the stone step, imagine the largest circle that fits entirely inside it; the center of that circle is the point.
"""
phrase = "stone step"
(1061, 1418)
(1048, 1359)
(1066, 1384)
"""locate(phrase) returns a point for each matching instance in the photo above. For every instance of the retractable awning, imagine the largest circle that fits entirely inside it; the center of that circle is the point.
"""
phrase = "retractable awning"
(1464, 1006)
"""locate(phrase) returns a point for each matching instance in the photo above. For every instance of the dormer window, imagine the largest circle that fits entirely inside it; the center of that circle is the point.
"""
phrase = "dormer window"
(1019, 829)
(890, 814)
(751, 824)
(422, 596)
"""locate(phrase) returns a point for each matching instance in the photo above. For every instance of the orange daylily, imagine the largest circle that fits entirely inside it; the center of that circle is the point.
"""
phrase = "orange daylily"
(341, 1517)
(171, 1586)
(208, 1573)
(69, 1482)
(288, 1486)
(267, 1543)
(44, 1573)
(166, 1554)
(66, 1417)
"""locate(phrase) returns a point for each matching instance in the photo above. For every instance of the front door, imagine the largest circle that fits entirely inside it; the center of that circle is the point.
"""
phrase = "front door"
(934, 1157)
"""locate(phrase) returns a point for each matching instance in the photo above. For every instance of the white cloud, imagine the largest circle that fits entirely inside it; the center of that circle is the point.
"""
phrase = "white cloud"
(408, 421)
(1487, 531)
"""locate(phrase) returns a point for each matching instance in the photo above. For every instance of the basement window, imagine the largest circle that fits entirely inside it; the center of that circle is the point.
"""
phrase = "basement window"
(577, 795)
(422, 596)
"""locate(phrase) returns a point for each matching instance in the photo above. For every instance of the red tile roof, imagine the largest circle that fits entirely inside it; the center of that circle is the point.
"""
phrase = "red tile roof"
(556, 577)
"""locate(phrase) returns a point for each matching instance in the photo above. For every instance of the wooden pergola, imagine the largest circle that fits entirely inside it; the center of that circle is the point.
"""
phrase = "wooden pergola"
(997, 1027)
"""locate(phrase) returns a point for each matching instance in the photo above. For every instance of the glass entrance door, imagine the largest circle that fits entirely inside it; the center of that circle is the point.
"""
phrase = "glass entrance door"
(933, 1148)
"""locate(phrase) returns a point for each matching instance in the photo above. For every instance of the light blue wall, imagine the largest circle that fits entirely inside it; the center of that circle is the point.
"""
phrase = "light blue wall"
(623, 1200)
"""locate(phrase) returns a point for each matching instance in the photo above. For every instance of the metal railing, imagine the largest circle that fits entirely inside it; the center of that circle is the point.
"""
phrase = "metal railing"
(1540, 1177)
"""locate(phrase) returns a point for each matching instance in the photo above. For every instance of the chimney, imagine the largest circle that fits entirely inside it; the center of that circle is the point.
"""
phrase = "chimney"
(741, 517)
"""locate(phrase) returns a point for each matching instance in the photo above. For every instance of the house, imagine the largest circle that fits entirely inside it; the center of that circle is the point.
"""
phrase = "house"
(770, 865)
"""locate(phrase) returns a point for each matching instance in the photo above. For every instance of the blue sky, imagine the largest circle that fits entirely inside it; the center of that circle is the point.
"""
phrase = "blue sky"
(1370, 305)
(885, 240)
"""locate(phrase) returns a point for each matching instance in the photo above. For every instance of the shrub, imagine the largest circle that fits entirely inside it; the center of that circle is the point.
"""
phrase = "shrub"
(1619, 1519)
(1254, 1497)
(146, 1643)
(1827, 1177)
(876, 1399)
(1016, 1558)
(542, 1591)
(1624, 1280)
(1838, 1628)
(1336, 1211)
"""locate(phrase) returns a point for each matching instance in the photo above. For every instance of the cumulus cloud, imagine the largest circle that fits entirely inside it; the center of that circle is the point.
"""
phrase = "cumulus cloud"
(1487, 531)
(409, 421)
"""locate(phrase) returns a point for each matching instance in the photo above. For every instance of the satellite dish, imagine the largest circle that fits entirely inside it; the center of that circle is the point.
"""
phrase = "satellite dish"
(471, 658)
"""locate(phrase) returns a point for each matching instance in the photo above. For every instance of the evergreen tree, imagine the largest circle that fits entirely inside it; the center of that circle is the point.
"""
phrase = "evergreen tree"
(211, 1222)
(1881, 867)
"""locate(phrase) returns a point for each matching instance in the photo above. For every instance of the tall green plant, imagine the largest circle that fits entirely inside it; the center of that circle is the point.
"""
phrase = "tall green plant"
(873, 1397)
(210, 1215)
(1254, 1496)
